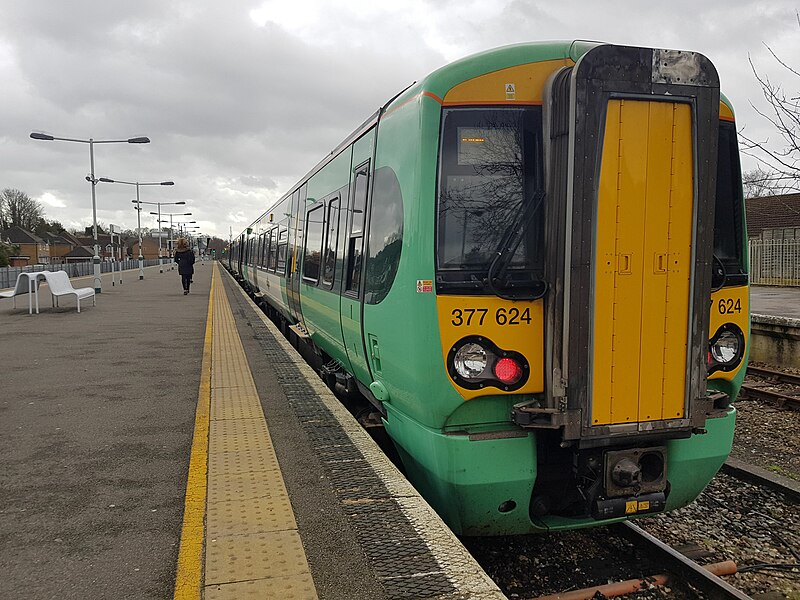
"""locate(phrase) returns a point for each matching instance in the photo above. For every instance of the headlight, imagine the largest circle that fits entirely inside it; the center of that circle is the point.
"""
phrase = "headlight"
(474, 362)
(725, 349)
(470, 361)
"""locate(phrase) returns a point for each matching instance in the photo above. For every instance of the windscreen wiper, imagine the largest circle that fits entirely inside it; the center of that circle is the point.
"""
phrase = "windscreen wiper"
(719, 272)
(505, 252)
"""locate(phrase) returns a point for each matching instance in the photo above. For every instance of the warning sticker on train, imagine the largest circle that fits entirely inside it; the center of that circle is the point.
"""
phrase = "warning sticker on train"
(424, 286)
(511, 91)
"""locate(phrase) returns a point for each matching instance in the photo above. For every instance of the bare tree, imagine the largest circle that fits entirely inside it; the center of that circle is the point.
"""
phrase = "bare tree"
(782, 165)
(759, 183)
(19, 209)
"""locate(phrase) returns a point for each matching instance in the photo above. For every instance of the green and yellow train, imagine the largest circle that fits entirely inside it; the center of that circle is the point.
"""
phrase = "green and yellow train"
(533, 264)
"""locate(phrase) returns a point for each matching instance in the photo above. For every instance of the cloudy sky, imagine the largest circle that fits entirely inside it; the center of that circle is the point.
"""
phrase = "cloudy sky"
(242, 97)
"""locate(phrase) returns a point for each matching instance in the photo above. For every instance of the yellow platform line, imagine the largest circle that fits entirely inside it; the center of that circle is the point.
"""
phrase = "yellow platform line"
(189, 570)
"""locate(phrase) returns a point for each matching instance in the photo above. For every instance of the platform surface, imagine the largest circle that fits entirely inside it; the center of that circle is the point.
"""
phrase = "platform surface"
(775, 301)
(159, 445)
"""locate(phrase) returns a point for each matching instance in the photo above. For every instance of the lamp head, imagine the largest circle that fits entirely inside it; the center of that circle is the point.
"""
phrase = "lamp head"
(139, 140)
(167, 183)
(37, 135)
(106, 180)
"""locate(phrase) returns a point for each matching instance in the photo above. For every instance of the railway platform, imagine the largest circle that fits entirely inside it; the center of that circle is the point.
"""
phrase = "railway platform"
(775, 301)
(159, 445)
(775, 326)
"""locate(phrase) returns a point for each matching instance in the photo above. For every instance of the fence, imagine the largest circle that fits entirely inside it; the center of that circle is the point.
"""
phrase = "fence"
(8, 275)
(775, 262)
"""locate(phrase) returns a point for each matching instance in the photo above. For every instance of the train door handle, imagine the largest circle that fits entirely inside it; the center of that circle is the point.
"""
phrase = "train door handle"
(624, 264)
(374, 352)
(660, 263)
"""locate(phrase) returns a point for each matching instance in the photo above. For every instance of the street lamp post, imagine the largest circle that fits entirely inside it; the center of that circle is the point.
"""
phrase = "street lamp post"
(139, 211)
(139, 205)
(98, 283)
(181, 225)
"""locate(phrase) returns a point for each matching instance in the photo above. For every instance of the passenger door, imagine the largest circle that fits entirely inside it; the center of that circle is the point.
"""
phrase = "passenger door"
(293, 276)
(352, 297)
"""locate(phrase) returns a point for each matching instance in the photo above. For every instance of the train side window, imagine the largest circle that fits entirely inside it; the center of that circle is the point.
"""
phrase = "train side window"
(271, 250)
(283, 243)
(274, 263)
(355, 243)
(260, 254)
(312, 252)
(385, 235)
(332, 239)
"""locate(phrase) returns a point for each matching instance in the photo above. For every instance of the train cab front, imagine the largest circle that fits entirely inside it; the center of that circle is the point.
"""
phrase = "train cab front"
(591, 280)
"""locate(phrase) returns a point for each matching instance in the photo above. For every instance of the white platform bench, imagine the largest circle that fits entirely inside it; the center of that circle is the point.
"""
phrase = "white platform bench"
(60, 285)
(20, 287)
(27, 283)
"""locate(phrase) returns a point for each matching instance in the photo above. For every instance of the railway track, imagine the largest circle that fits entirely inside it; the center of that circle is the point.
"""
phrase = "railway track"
(673, 569)
(779, 398)
(675, 562)
(773, 374)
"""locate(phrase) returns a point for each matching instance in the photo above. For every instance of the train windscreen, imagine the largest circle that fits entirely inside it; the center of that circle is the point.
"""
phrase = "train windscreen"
(728, 218)
(489, 196)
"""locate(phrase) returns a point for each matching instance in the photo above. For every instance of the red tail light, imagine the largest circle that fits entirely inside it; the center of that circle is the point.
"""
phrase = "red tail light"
(508, 371)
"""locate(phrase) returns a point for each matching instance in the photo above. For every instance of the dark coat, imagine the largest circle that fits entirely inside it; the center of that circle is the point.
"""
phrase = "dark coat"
(185, 260)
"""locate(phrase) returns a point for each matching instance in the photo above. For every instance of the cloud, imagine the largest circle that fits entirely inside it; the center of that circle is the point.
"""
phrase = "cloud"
(51, 200)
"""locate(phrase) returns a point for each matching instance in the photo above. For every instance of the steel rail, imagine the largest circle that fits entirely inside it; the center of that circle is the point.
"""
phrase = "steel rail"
(675, 562)
(782, 376)
(769, 395)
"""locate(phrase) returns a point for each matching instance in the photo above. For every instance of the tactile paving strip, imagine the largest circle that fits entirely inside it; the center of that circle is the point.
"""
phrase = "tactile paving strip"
(253, 549)
(384, 509)
(299, 587)
(237, 517)
(254, 556)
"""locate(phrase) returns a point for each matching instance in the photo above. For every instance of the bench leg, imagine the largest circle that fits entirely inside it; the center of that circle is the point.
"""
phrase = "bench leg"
(79, 303)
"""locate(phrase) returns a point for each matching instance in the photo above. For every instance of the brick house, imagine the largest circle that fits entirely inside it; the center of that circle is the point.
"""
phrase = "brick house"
(774, 217)
(35, 248)
(59, 246)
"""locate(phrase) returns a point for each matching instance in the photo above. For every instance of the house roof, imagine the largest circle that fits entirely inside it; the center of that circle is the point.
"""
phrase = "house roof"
(55, 238)
(18, 235)
(772, 212)
(70, 238)
(80, 252)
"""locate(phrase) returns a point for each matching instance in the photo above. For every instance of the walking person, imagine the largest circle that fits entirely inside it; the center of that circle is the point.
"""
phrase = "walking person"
(184, 256)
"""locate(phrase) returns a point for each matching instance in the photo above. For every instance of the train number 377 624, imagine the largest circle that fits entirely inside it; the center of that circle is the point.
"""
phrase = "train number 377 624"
(501, 316)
